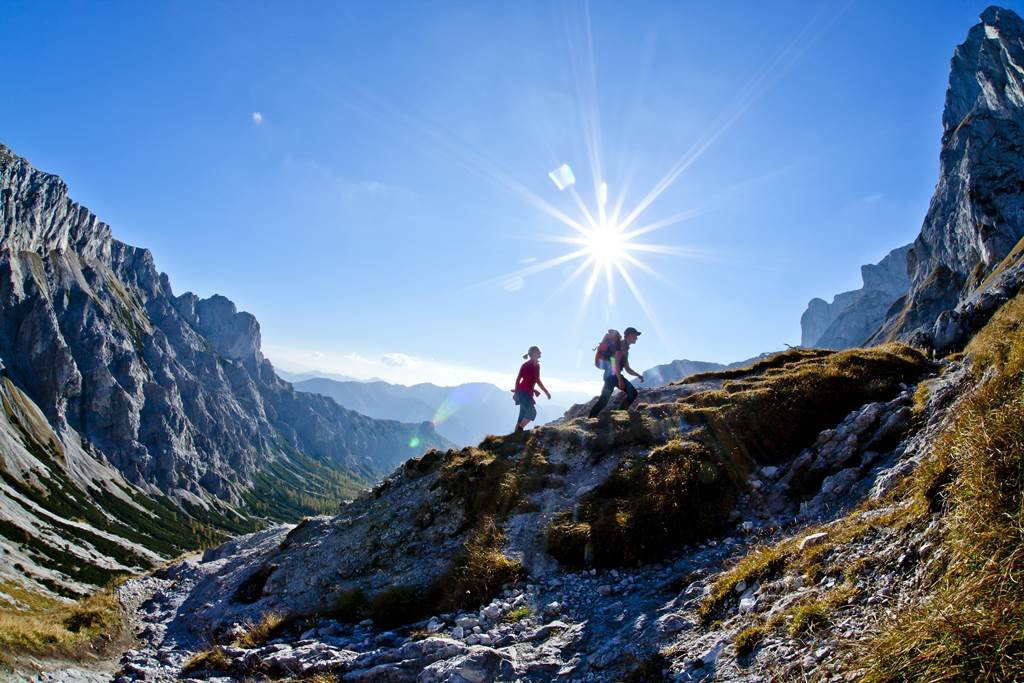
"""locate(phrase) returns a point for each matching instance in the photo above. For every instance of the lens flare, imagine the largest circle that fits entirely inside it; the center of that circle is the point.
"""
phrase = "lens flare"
(562, 177)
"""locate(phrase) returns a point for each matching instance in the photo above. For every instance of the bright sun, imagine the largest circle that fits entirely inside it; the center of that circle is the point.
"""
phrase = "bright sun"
(606, 244)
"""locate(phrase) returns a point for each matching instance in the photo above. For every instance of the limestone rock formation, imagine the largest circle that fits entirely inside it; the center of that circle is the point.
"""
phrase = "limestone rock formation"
(966, 248)
(965, 261)
(854, 316)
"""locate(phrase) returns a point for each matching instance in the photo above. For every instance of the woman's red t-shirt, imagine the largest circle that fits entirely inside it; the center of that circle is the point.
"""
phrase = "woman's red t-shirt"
(529, 375)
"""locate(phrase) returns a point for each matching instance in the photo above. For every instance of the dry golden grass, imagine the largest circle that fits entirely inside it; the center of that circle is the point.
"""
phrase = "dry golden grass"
(749, 638)
(256, 634)
(972, 625)
(682, 490)
(213, 659)
(760, 563)
(822, 559)
(481, 569)
(57, 628)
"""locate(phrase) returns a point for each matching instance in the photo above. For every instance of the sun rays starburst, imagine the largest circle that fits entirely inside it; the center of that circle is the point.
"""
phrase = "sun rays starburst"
(608, 250)
(603, 236)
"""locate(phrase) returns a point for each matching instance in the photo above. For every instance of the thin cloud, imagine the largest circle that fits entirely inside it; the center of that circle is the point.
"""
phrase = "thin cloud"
(257, 118)
(400, 360)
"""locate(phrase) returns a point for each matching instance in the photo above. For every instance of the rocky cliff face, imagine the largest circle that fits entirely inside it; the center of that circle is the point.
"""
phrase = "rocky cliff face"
(966, 261)
(854, 316)
(171, 392)
(964, 255)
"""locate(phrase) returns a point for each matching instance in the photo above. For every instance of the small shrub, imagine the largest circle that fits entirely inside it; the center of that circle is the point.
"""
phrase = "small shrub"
(568, 540)
(518, 614)
(808, 615)
(481, 569)
(748, 639)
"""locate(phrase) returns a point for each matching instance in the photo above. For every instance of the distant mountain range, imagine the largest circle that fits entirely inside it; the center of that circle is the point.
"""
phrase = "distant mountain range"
(464, 414)
(678, 369)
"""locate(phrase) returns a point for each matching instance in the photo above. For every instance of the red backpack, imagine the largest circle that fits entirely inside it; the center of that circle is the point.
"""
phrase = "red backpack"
(606, 350)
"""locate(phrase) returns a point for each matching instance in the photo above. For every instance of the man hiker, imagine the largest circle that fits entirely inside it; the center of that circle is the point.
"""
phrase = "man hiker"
(613, 356)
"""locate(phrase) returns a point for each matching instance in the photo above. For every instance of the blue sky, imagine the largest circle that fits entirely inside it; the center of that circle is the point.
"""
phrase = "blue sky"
(372, 216)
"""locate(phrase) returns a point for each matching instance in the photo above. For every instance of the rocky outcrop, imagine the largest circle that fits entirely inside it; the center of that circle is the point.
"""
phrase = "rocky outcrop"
(172, 392)
(976, 216)
(854, 316)
(962, 265)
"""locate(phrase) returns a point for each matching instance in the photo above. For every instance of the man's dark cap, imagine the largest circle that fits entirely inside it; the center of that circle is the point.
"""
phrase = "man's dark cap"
(631, 330)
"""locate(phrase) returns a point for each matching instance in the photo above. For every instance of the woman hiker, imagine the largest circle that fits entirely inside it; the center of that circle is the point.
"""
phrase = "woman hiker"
(523, 394)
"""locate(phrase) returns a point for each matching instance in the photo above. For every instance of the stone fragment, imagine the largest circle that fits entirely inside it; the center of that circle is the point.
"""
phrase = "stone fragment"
(813, 540)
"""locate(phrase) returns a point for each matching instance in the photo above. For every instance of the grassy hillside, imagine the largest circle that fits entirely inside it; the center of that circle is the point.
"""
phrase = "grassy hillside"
(971, 624)
(684, 487)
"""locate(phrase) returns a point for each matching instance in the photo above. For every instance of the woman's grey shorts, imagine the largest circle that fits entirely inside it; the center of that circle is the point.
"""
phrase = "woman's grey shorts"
(527, 408)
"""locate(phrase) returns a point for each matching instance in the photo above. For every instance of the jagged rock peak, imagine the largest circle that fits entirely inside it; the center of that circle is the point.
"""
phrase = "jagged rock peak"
(233, 334)
(986, 72)
(975, 219)
(36, 214)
